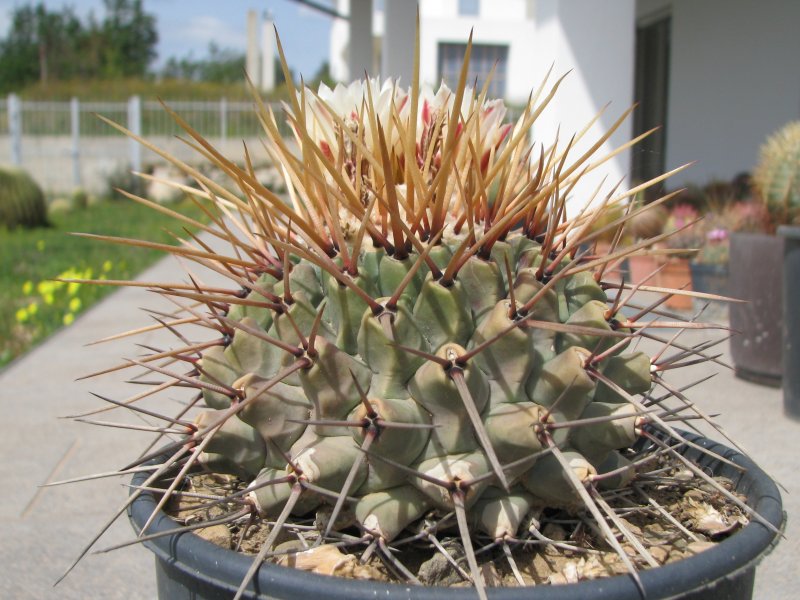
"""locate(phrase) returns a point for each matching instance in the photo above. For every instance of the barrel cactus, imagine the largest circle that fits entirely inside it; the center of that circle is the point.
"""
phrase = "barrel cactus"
(777, 176)
(420, 328)
(22, 201)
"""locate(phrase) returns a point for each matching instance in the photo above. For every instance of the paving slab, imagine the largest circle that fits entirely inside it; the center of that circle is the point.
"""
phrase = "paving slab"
(44, 529)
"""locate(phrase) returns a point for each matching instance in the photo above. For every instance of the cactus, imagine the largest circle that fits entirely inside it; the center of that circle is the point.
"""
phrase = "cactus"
(22, 202)
(415, 331)
(777, 176)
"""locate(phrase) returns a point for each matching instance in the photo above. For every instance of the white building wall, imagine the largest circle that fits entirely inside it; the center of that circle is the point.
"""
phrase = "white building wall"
(340, 36)
(734, 79)
(595, 41)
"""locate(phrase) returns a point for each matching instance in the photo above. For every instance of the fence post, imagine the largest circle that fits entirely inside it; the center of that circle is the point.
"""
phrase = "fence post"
(223, 118)
(135, 126)
(75, 126)
(15, 128)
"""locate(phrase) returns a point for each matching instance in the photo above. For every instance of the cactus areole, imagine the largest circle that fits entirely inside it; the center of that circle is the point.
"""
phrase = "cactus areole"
(415, 334)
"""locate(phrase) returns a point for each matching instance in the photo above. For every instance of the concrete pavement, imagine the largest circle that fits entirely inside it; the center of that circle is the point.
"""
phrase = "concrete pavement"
(43, 529)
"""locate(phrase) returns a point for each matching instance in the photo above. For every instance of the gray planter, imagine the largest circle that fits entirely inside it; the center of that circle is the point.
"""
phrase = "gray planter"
(190, 568)
(791, 320)
(756, 276)
(711, 279)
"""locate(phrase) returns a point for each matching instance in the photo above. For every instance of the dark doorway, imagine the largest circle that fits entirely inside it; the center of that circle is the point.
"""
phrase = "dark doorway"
(651, 93)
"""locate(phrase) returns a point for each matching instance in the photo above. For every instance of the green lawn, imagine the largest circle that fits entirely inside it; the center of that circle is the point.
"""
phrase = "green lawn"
(32, 306)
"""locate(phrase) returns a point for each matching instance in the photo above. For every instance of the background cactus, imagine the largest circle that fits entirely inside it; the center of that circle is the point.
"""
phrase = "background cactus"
(777, 176)
(648, 224)
(22, 202)
(416, 333)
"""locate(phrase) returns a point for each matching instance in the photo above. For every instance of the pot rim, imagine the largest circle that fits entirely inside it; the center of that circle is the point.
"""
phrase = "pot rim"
(731, 557)
(789, 231)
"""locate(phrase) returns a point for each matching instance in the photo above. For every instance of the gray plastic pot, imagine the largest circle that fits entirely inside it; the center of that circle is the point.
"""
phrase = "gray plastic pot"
(756, 276)
(188, 567)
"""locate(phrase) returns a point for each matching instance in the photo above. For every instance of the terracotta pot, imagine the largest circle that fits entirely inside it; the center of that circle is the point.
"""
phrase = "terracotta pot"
(613, 274)
(675, 275)
(641, 267)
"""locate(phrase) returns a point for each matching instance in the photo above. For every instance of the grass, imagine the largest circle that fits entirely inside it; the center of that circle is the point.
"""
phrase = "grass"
(32, 306)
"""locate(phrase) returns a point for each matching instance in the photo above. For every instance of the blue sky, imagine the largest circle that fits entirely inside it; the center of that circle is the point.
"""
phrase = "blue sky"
(186, 26)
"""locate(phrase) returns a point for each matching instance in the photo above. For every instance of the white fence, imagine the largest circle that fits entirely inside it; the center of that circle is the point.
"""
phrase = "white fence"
(64, 145)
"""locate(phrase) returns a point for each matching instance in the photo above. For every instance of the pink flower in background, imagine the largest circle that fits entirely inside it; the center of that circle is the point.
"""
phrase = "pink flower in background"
(717, 235)
(683, 214)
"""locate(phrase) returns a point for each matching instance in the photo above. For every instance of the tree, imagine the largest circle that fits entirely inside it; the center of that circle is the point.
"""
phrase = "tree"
(19, 63)
(323, 75)
(46, 45)
(41, 44)
(130, 37)
(222, 65)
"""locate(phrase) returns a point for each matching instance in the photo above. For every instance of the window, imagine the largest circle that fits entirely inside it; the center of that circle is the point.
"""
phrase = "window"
(484, 57)
(469, 8)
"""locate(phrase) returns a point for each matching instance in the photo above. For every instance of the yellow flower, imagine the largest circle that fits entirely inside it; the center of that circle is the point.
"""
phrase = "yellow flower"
(75, 304)
(72, 288)
(22, 315)
(27, 288)
(45, 287)
(107, 266)
(68, 319)
(48, 298)
(40, 245)
(33, 308)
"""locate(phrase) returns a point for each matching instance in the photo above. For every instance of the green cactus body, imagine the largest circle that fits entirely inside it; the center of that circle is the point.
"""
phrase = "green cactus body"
(777, 176)
(22, 201)
(511, 385)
